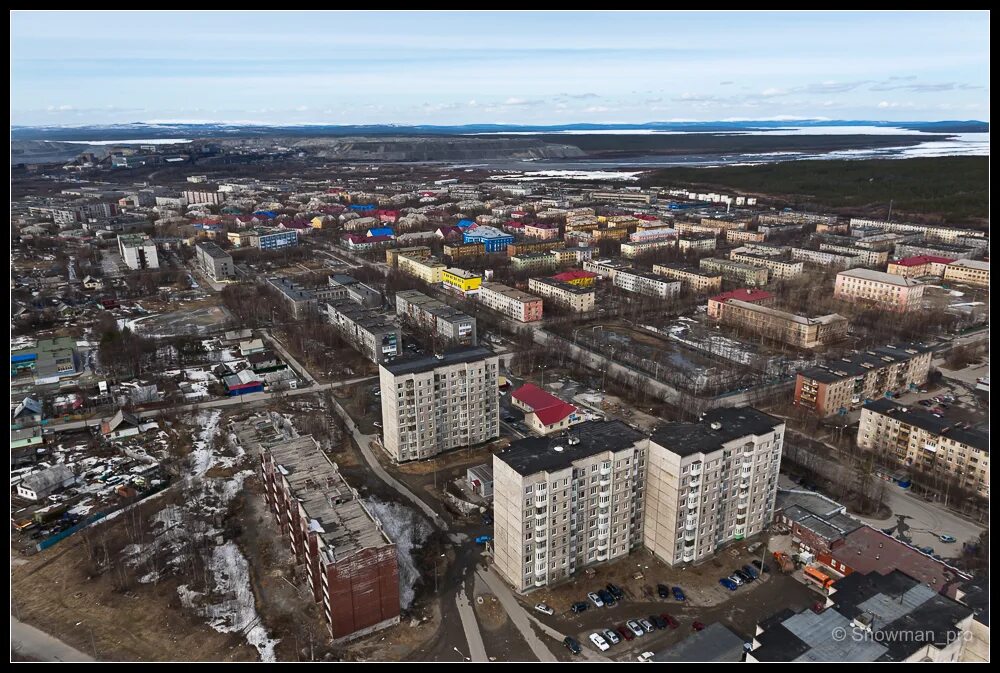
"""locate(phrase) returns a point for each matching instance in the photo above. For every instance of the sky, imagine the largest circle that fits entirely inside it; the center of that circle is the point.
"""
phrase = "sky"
(72, 68)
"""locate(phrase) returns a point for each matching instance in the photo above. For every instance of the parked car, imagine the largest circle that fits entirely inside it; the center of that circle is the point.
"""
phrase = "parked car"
(599, 642)
(671, 622)
(625, 632)
(729, 584)
(634, 627)
(679, 594)
(742, 575)
(615, 591)
(646, 625)
(483, 539)
(572, 645)
(611, 636)
(927, 550)
(663, 591)
(606, 597)
(487, 519)
(509, 419)
(751, 571)
(658, 622)
(736, 579)
(818, 607)
(544, 609)
(697, 626)
(645, 657)
(595, 599)
(947, 539)
(761, 566)
(578, 607)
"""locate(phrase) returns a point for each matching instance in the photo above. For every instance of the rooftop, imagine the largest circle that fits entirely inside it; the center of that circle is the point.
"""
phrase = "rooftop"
(686, 439)
(420, 364)
(546, 454)
(921, 418)
(743, 294)
(880, 277)
(860, 363)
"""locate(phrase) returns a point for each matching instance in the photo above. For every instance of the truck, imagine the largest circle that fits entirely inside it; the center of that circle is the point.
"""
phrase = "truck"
(784, 562)
(50, 513)
(817, 576)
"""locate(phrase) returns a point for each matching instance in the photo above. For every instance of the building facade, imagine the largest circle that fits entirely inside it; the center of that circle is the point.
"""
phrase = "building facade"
(573, 297)
(782, 326)
(437, 318)
(878, 289)
(215, 261)
(648, 284)
(515, 304)
(692, 278)
(138, 252)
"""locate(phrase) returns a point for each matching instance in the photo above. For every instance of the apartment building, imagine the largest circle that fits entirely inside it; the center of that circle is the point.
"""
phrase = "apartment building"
(138, 251)
(461, 281)
(829, 258)
(869, 258)
(214, 261)
(437, 318)
(920, 266)
(533, 261)
(653, 234)
(779, 263)
(300, 301)
(572, 254)
(782, 326)
(415, 251)
(510, 302)
(929, 232)
(348, 287)
(561, 504)
(524, 247)
(623, 197)
(737, 272)
(936, 250)
(573, 297)
(492, 239)
(605, 268)
(351, 564)
(609, 234)
(694, 279)
(193, 196)
(867, 287)
(273, 239)
(744, 294)
(934, 446)
(648, 284)
(711, 482)
(968, 271)
(371, 333)
(433, 404)
(848, 382)
(542, 231)
(740, 236)
(635, 249)
(428, 270)
(700, 230)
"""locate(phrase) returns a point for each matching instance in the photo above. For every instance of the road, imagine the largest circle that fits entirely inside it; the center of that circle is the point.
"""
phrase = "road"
(517, 615)
(37, 644)
(247, 400)
(926, 522)
(477, 651)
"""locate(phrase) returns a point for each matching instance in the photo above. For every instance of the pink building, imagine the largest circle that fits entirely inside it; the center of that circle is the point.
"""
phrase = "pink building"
(541, 230)
(877, 289)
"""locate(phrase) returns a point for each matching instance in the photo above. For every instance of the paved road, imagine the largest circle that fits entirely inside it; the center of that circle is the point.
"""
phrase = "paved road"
(295, 364)
(517, 615)
(214, 404)
(926, 522)
(37, 644)
(477, 651)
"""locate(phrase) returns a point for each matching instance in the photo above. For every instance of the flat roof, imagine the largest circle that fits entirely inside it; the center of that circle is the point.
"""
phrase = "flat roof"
(785, 315)
(686, 439)
(511, 292)
(921, 418)
(419, 364)
(857, 364)
(547, 454)
(880, 276)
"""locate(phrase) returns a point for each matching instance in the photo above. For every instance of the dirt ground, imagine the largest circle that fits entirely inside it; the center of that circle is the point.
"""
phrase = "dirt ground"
(54, 591)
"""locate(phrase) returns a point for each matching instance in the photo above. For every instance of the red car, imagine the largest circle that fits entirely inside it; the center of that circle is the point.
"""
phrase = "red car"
(818, 607)
(669, 620)
(625, 632)
(697, 626)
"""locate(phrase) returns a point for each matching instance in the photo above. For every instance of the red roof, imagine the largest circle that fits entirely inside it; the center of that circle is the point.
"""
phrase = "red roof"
(574, 274)
(920, 260)
(743, 294)
(547, 407)
(647, 218)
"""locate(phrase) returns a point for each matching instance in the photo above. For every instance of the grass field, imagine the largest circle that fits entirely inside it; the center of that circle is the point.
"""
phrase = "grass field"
(946, 189)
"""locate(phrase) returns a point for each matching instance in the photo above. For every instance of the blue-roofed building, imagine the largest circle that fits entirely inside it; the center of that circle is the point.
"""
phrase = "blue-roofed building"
(381, 231)
(269, 214)
(362, 207)
(465, 224)
(493, 239)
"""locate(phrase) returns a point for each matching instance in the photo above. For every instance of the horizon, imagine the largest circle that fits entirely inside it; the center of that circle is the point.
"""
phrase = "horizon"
(528, 69)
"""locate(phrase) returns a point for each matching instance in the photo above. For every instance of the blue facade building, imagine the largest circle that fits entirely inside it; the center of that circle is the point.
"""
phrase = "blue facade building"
(493, 239)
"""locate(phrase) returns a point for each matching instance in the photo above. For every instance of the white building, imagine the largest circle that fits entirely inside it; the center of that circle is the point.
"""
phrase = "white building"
(138, 251)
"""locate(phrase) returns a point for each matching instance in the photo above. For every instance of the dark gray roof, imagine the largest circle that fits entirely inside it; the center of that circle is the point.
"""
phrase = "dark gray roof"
(858, 364)
(917, 416)
(713, 643)
(538, 454)
(688, 438)
(416, 365)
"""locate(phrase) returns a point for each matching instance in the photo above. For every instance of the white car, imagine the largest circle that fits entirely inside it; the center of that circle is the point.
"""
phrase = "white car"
(736, 580)
(634, 627)
(599, 642)
(544, 609)
(645, 657)
(595, 599)
(610, 636)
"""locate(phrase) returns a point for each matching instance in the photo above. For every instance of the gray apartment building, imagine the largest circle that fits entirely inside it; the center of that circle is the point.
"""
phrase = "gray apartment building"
(437, 318)
(371, 333)
(214, 261)
(437, 403)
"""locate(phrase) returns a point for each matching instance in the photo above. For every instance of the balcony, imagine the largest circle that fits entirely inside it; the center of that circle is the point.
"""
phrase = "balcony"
(605, 471)
(695, 469)
(689, 536)
(540, 537)
(688, 555)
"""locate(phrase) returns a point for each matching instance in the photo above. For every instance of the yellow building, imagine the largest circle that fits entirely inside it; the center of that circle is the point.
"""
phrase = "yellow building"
(461, 281)
(968, 271)
(430, 271)
(318, 222)
(239, 238)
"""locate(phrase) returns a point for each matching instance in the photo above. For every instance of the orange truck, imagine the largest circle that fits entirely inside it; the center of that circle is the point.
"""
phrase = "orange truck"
(784, 562)
(817, 576)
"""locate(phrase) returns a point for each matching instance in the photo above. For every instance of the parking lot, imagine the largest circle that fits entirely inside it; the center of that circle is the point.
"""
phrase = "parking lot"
(638, 576)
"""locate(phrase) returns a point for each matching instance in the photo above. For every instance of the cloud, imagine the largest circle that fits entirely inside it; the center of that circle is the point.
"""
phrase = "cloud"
(597, 108)
(519, 102)
(893, 84)
(579, 96)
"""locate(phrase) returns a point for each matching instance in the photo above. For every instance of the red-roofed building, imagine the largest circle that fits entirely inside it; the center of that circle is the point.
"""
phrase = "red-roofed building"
(449, 233)
(358, 242)
(576, 277)
(919, 266)
(645, 218)
(544, 413)
(751, 296)
(513, 226)
(388, 215)
(518, 214)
